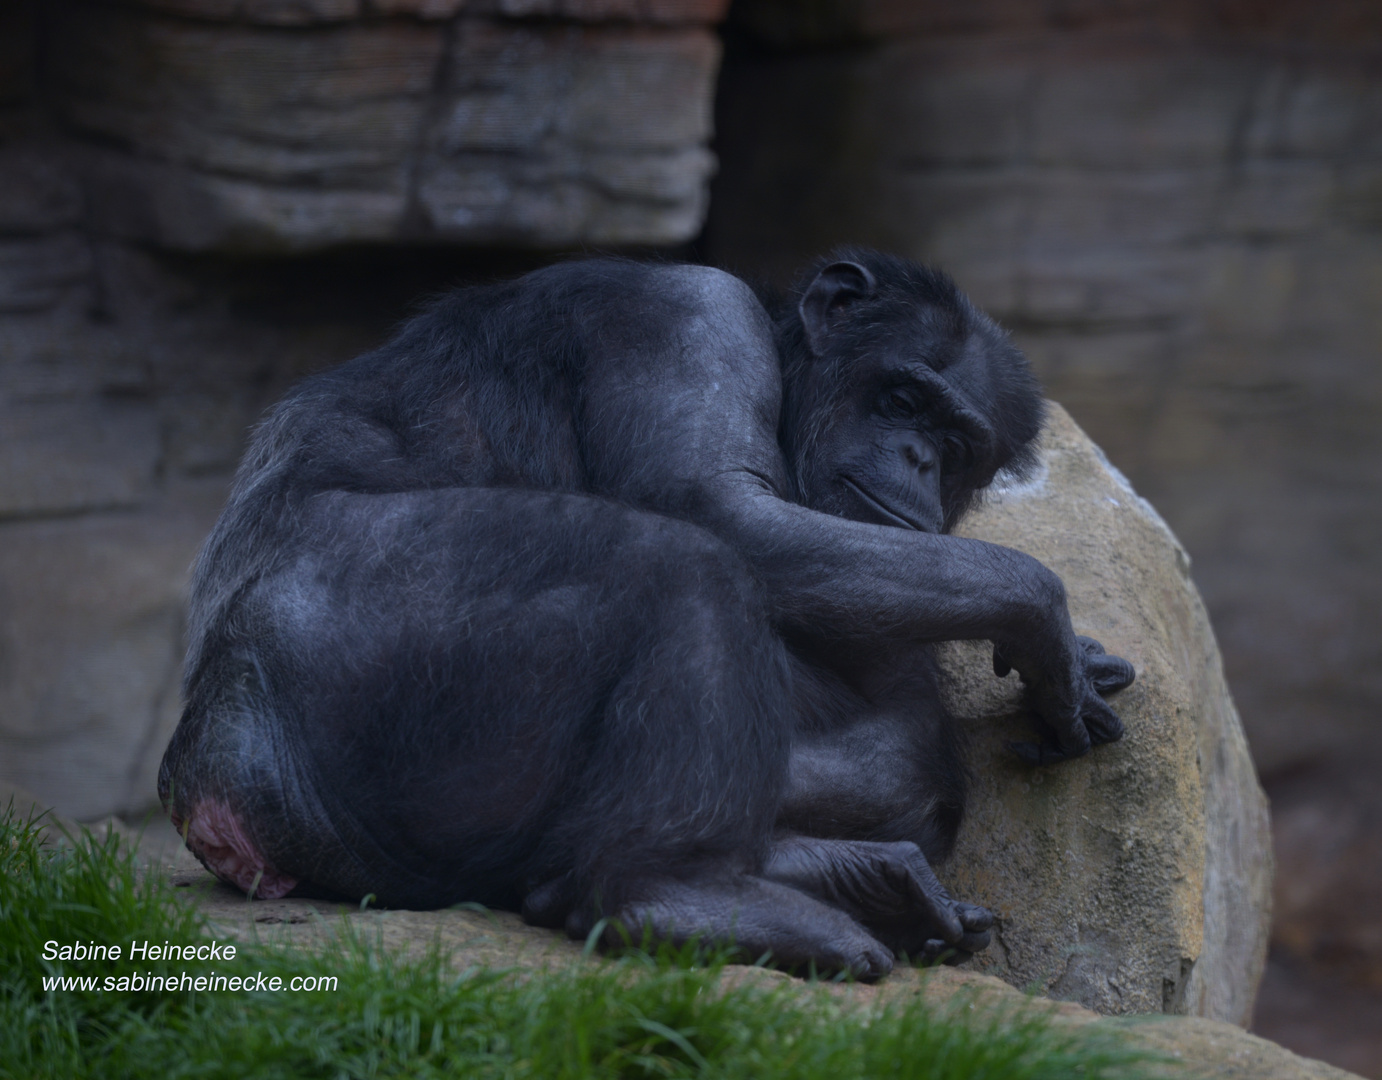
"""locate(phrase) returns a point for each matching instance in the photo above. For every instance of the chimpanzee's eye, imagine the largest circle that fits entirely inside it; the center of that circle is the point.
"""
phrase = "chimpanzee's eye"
(956, 452)
(898, 403)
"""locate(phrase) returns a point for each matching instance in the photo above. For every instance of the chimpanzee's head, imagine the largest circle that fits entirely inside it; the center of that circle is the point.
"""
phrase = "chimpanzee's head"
(901, 399)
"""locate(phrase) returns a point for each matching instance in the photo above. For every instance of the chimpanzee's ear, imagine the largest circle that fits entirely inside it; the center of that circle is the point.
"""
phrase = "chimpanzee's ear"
(836, 287)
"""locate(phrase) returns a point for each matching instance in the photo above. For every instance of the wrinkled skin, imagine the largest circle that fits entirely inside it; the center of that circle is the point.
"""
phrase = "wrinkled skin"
(604, 593)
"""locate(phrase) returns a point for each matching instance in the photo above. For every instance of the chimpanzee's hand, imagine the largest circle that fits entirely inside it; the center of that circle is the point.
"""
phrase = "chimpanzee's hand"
(1070, 714)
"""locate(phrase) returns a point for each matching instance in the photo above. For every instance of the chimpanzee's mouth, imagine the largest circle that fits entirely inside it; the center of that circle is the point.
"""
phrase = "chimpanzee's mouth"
(890, 515)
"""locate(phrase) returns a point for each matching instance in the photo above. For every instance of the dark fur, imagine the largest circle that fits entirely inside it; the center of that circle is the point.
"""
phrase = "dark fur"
(519, 606)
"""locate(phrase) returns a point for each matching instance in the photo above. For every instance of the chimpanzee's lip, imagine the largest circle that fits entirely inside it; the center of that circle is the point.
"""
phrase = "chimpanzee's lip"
(887, 512)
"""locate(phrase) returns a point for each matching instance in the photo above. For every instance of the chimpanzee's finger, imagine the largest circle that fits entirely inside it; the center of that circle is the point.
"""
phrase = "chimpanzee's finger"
(1042, 753)
(1074, 740)
(977, 922)
(932, 951)
(1108, 673)
(934, 899)
(1000, 663)
(1102, 722)
(973, 917)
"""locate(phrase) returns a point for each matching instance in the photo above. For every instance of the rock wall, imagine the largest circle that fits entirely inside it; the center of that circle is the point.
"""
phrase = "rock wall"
(207, 125)
(164, 168)
(1176, 208)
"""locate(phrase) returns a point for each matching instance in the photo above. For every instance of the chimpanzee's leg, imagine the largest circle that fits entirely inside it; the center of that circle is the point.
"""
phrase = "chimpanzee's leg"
(875, 794)
(462, 694)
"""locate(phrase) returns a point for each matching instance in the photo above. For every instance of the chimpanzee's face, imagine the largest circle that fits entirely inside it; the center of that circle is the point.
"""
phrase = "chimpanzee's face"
(883, 424)
(884, 456)
(888, 445)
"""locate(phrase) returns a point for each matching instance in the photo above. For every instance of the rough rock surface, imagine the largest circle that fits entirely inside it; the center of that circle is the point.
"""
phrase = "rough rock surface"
(1137, 879)
(91, 616)
(499, 939)
(206, 125)
(122, 412)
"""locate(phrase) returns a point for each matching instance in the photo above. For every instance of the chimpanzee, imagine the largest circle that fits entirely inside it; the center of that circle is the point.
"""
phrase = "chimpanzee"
(605, 593)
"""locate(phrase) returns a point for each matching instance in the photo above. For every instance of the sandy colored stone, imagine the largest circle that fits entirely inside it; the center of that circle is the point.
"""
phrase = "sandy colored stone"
(1137, 879)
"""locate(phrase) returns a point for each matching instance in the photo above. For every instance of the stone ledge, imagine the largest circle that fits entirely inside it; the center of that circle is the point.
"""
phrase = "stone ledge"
(308, 12)
(203, 135)
(500, 939)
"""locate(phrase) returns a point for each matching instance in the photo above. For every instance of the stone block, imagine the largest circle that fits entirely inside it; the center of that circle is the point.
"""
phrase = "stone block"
(186, 209)
(1357, 201)
(1051, 214)
(944, 105)
(640, 11)
(1143, 109)
(90, 645)
(555, 134)
(298, 12)
(307, 12)
(206, 135)
(1137, 879)
(1096, 289)
(1149, 208)
(1270, 199)
(1289, 572)
(1249, 289)
(333, 109)
(37, 193)
(206, 433)
(57, 457)
(1327, 111)
(1111, 285)
(42, 255)
(37, 271)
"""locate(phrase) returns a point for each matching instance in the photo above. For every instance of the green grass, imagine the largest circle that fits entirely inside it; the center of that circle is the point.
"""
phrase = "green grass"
(642, 1015)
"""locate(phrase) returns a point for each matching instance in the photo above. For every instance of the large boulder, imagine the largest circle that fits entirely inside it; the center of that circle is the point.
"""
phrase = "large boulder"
(1137, 879)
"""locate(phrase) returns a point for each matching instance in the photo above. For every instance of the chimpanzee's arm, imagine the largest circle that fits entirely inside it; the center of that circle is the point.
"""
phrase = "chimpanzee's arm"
(833, 577)
(684, 420)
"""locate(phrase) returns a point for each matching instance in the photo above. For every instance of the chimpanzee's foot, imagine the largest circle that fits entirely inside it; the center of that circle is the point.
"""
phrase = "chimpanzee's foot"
(551, 902)
(755, 916)
(888, 887)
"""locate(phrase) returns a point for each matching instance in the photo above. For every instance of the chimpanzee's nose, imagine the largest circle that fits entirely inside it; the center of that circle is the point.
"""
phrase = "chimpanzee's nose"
(915, 450)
